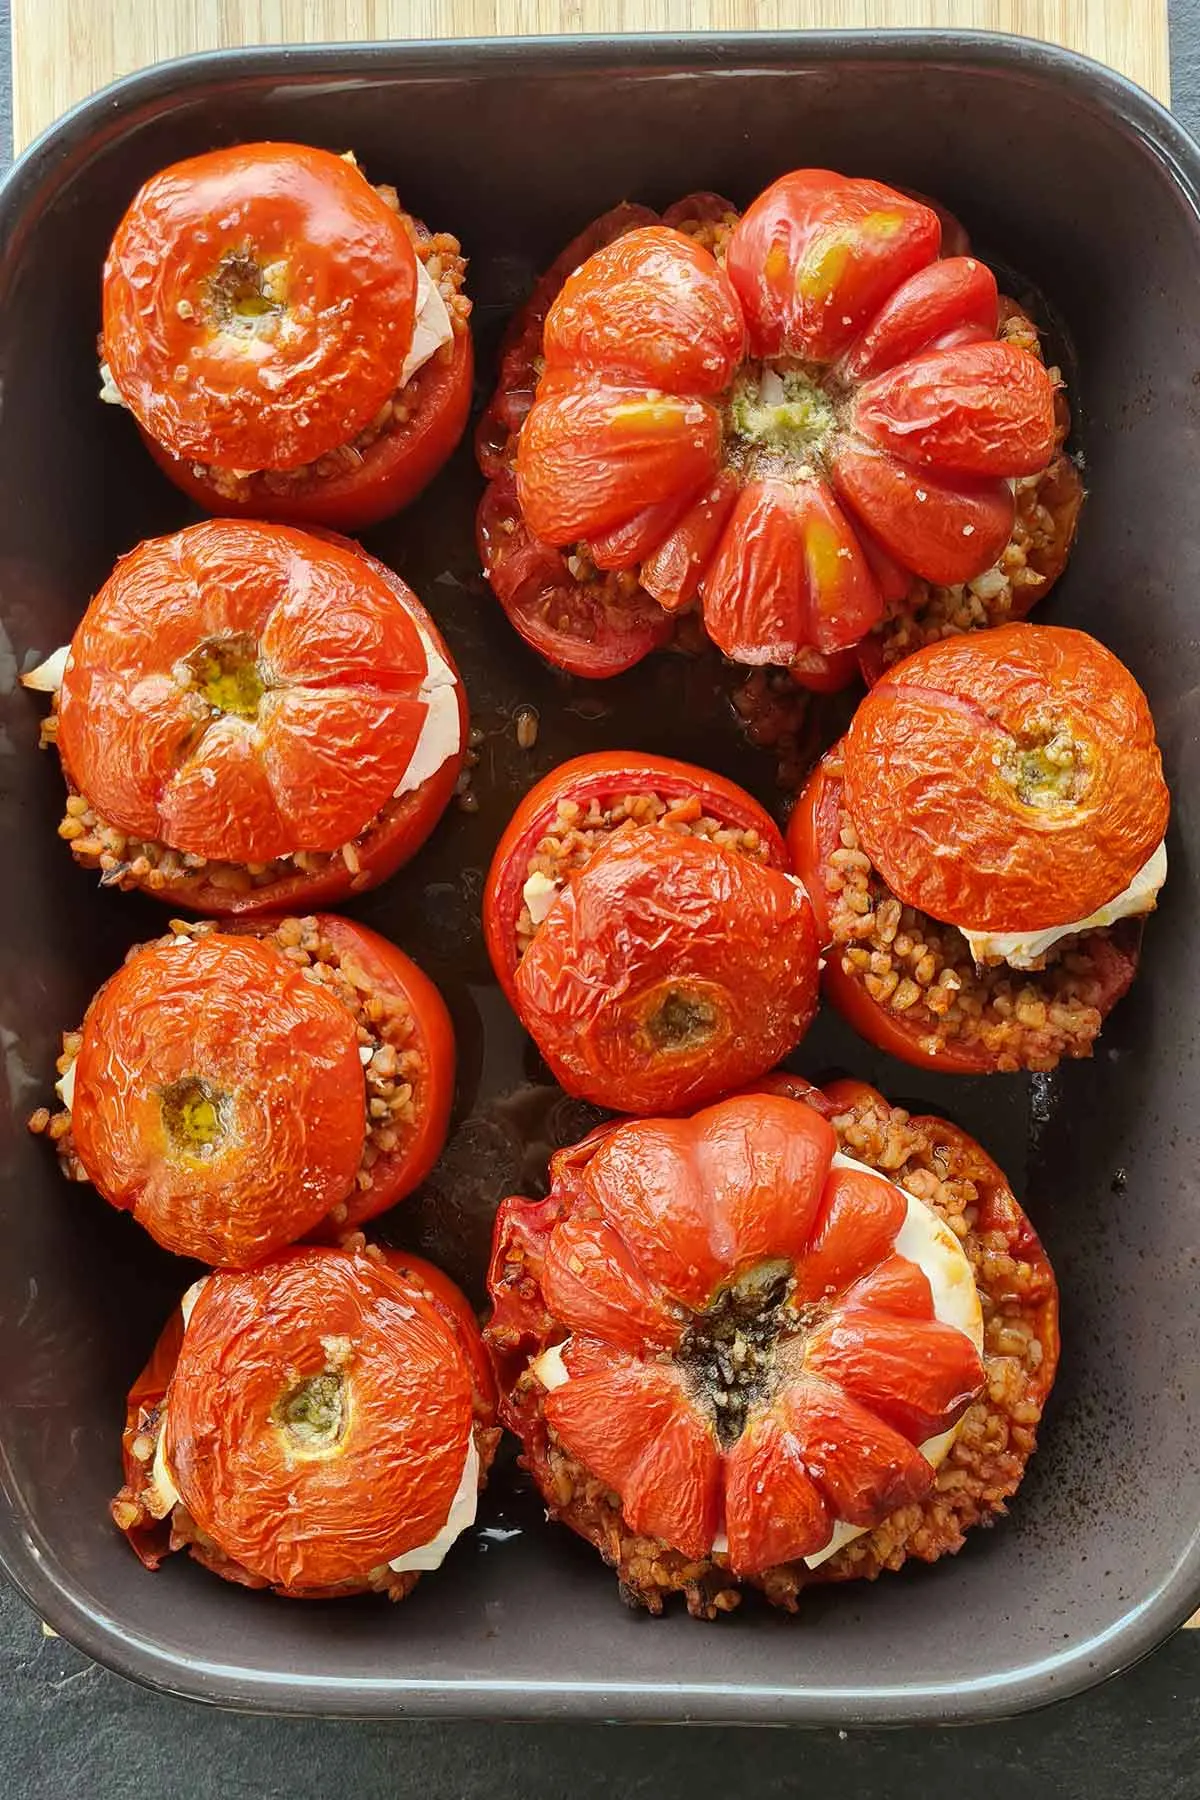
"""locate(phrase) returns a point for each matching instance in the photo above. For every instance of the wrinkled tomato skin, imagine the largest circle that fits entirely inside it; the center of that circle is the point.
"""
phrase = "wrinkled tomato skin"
(385, 850)
(279, 1052)
(602, 776)
(274, 1314)
(394, 1173)
(394, 469)
(933, 758)
(812, 837)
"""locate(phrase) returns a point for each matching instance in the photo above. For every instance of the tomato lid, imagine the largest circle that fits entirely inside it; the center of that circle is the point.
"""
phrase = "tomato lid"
(259, 303)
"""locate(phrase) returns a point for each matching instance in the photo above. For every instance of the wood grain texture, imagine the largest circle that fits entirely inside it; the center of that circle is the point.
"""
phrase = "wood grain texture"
(65, 49)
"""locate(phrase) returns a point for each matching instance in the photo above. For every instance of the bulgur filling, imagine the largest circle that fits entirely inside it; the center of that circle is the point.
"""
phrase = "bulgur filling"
(129, 862)
(924, 971)
(983, 1467)
(1043, 530)
(578, 831)
(393, 1066)
(248, 289)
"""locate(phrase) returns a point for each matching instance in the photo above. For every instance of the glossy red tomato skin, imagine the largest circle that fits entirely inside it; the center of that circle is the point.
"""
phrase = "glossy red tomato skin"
(386, 849)
(395, 1173)
(813, 835)
(556, 616)
(450, 1301)
(603, 776)
(173, 295)
(394, 469)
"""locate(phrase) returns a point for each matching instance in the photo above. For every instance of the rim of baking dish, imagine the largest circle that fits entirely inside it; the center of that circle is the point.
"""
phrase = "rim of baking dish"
(48, 165)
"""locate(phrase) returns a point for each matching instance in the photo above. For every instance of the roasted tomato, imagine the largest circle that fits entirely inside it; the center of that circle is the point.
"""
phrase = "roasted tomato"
(981, 846)
(736, 1352)
(299, 348)
(801, 418)
(237, 1092)
(250, 718)
(640, 922)
(320, 1425)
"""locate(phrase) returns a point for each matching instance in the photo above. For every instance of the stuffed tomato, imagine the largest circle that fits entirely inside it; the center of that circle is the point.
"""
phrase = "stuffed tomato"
(829, 437)
(236, 1091)
(320, 1425)
(251, 718)
(982, 847)
(641, 919)
(291, 343)
(797, 1337)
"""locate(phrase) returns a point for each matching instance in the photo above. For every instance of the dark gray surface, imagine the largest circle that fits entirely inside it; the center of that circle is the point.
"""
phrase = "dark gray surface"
(68, 1728)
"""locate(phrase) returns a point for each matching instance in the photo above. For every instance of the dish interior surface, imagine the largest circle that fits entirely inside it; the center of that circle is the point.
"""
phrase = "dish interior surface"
(1058, 170)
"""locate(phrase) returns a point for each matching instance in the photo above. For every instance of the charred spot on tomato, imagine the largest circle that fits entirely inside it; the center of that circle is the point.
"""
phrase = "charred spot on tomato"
(1046, 766)
(681, 1021)
(728, 1351)
(196, 1116)
(780, 418)
(243, 297)
(226, 671)
(314, 1414)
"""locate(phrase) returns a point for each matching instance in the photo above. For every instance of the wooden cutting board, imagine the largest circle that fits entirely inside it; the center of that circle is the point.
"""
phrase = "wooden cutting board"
(63, 52)
(65, 49)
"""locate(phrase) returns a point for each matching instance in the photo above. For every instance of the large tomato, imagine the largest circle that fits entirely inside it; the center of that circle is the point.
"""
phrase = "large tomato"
(669, 964)
(272, 330)
(218, 1092)
(717, 1353)
(248, 694)
(793, 437)
(314, 1416)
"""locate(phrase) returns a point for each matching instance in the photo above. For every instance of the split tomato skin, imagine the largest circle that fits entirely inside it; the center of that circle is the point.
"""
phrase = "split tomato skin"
(669, 967)
(335, 646)
(783, 437)
(218, 1097)
(315, 1414)
(1031, 750)
(628, 1267)
(813, 837)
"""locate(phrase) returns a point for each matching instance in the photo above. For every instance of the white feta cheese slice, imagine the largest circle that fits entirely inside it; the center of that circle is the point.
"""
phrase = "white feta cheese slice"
(110, 393)
(64, 1087)
(431, 329)
(550, 1368)
(441, 732)
(47, 678)
(539, 895)
(1025, 949)
(461, 1515)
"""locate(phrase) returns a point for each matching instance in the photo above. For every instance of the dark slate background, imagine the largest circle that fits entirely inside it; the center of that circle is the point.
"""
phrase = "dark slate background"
(70, 1729)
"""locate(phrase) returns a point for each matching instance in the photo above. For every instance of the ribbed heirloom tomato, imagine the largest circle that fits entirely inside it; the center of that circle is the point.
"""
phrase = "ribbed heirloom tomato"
(804, 420)
(292, 345)
(640, 919)
(252, 718)
(981, 848)
(735, 1352)
(237, 1092)
(320, 1425)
